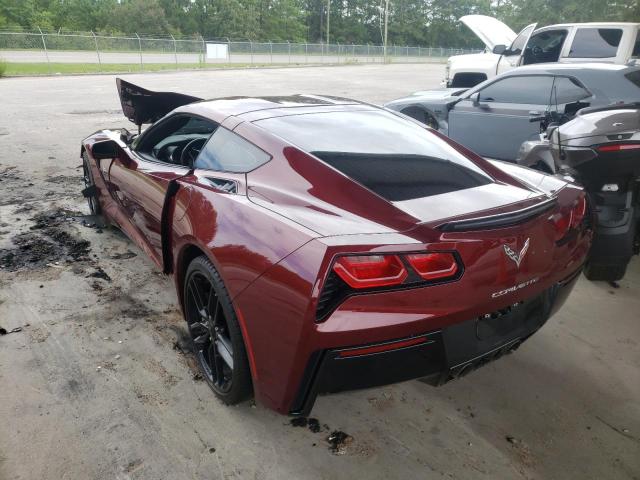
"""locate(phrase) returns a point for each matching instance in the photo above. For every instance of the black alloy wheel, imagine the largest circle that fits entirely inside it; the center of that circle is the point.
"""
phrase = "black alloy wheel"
(215, 333)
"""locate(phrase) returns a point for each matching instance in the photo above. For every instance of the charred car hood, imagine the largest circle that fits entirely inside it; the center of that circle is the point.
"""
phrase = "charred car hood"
(490, 30)
(145, 106)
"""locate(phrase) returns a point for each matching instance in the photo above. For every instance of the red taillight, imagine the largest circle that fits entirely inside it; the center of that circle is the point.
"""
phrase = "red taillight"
(561, 223)
(434, 266)
(366, 271)
(617, 147)
(570, 219)
(578, 212)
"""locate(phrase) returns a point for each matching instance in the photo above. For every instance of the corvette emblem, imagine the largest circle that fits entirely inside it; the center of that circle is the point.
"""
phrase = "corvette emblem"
(517, 257)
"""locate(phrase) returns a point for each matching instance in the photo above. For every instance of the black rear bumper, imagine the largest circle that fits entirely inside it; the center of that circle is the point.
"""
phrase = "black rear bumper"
(437, 357)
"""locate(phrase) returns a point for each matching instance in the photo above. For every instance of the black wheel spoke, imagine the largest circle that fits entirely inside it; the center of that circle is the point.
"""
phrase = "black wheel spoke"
(216, 366)
(224, 348)
(217, 315)
(198, 328)
(196, 294)
(202, 339)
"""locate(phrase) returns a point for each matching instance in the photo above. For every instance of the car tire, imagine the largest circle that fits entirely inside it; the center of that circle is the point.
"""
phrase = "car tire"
(87, 176)
(604, 272)
(421, 115)
(215, 333)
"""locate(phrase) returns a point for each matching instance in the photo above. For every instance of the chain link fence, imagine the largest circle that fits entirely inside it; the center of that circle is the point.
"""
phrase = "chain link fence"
(92, 48)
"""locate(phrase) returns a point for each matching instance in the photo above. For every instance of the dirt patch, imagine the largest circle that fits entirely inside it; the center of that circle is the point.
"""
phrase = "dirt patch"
(48, 242)
(38, 335)
(154, 366)
(521, 449)
(65, 180)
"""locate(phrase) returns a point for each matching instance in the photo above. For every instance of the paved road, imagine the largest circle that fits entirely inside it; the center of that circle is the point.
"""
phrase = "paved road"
(568, 400)
(59, 56)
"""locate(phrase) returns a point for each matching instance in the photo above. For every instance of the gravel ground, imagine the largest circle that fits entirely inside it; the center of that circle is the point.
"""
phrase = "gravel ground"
(98, 383)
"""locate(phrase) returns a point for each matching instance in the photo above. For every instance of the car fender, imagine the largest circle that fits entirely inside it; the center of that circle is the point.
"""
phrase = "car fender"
(536, 154)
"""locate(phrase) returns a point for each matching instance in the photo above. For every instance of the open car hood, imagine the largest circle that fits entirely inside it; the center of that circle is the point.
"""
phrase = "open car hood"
(144, 106)
(490, 30)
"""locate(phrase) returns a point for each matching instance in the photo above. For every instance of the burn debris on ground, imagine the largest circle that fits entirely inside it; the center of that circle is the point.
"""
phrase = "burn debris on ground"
(312, 423)
(338, 441)
(99, 273)
(299, 422)
(47, 242)
(123, 256)
(4, 331)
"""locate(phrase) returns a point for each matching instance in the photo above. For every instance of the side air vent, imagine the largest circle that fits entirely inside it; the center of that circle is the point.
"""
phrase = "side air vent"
(332, 293)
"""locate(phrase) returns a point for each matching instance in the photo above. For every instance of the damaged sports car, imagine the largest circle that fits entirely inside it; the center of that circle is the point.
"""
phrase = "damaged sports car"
(320, 244)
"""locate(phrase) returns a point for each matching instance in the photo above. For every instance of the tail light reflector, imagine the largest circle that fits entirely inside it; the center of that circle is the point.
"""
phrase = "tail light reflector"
(385, 347)
(578, 212)
(618, 147)
(366, 271)
(562, 223)
(433, 266)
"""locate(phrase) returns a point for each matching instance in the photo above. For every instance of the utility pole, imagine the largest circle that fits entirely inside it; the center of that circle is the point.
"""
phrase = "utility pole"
(386, 21)
(328, 10)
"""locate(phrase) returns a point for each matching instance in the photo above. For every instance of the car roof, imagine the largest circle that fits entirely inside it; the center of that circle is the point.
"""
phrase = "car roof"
(268, 105)
(591, 24)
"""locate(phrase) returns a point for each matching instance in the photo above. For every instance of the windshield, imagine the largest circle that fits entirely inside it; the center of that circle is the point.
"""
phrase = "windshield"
(394, 157)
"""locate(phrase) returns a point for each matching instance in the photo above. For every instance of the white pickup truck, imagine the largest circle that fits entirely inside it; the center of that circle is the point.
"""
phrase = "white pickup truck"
(564, 43)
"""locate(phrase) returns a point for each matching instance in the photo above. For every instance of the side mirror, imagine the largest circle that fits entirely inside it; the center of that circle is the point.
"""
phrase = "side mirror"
(475, 99)
(499, 49)
(103, 150)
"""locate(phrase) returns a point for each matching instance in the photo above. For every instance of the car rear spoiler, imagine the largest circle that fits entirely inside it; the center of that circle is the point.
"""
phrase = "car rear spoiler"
(144, 106)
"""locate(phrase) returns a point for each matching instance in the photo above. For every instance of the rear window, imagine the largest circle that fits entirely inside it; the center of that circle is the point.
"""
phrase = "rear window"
(391, 156)
(569, 90)
(595, 43)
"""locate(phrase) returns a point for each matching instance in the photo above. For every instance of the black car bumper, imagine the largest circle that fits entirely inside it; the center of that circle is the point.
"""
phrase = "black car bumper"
(437, 357)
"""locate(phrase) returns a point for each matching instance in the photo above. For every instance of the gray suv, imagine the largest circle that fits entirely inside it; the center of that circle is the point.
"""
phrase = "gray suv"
(493, 118)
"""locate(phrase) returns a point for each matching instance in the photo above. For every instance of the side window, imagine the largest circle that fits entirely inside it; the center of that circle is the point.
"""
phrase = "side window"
(636, 46)
(595, 43)
(169, 140)
(229, 152)
(532, 90)
(569, 90)
(518, 44)
(544, 47)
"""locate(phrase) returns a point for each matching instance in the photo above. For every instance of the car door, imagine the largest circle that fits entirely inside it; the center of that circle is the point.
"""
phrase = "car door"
(493, 121)
(139, 181)
(511, 57)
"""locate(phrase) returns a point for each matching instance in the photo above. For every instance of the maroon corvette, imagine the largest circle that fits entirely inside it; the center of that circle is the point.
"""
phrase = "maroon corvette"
(320, 244)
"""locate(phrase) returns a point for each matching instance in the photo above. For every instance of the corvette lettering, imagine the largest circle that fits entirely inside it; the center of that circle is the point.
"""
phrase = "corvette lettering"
(514, 288)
